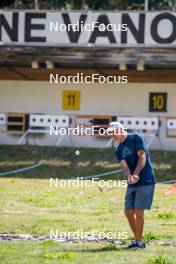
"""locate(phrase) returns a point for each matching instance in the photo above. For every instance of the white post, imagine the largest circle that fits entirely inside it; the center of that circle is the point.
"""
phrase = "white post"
(146, 5)
(36, 4)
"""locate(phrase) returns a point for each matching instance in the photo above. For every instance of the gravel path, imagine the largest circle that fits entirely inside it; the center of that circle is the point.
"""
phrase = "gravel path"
(27, 237)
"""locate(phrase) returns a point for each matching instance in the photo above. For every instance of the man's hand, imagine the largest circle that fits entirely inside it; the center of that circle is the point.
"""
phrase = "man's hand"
(136, 178)
(132, 179)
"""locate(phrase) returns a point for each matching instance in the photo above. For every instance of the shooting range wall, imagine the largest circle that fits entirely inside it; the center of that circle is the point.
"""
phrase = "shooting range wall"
(132, 99)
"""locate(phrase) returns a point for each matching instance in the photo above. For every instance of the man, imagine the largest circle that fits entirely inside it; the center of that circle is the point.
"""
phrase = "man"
(135, 162)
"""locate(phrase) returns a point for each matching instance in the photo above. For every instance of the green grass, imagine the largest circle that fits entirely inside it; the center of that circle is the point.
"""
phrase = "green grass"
(37, 253)
(29, 205)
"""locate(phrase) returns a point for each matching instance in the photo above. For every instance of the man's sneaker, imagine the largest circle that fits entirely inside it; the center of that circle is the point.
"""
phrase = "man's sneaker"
(136, 245)
(131, 246)
(141, 244)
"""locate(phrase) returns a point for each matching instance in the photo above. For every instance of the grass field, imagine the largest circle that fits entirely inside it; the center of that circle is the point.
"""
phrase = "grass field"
(29, 206)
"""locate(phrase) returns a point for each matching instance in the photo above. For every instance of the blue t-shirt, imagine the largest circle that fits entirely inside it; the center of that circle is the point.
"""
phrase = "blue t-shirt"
(128, 151)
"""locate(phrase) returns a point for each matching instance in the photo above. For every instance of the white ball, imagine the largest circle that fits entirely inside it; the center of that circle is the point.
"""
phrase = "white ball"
(77, 152)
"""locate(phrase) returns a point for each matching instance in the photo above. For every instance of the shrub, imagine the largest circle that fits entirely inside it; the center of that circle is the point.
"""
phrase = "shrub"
(166, 215)
(160, 260)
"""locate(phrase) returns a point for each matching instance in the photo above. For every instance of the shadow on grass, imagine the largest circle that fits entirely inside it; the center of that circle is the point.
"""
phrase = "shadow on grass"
(108, 248)
(99, 248)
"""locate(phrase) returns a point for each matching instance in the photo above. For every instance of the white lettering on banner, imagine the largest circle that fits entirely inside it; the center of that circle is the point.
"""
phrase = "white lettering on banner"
(40, 28)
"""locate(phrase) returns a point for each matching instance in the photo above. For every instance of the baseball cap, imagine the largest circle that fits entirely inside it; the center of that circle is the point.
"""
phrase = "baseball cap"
(114, 125)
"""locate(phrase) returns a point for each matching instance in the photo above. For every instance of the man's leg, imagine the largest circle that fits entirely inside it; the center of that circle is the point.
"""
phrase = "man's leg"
(130, 214)
(139, 224)
(143, 200)
(129, 207)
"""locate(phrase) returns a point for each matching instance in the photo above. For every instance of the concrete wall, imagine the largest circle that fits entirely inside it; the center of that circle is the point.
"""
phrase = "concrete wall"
(112, 99)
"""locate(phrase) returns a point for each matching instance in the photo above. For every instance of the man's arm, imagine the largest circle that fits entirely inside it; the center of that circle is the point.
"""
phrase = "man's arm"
(125, 168)
(141, 162)
(126, 171)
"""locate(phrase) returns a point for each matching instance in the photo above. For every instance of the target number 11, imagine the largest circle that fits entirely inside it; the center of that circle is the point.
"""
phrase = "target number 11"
(71, 100)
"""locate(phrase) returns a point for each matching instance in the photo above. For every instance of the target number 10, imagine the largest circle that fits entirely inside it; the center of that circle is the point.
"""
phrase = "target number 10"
(158, 102)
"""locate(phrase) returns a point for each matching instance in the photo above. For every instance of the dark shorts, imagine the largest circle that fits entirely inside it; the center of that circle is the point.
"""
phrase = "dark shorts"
(139, 197)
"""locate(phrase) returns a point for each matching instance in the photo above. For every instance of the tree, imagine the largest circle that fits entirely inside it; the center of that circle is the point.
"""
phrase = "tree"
(6, 3)
(92, 4)
(99, 4)
(162, 4)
